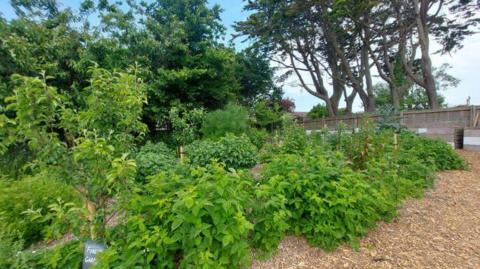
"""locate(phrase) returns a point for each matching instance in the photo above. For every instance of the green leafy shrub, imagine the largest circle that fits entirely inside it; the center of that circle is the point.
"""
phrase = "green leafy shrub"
(10, 245)
(192, 218)
(294, 140)
(268, 114)
(327, 200)
(437, 152)
(233, 119)
(318, 111)
(186, 123)
(233, 151)
(64, 255)
(37, 193)
(270, 217)
(258, 137)
(154, 158)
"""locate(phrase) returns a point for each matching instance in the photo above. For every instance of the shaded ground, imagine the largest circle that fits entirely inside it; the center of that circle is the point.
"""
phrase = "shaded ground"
(440, 231)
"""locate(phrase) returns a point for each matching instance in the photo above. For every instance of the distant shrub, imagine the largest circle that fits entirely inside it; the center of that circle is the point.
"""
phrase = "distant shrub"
(233, 119)
(154, 158)
(268, 114)
(258, 137)
(233, 151)
(10, 245)
(318, 111)
(294, 140)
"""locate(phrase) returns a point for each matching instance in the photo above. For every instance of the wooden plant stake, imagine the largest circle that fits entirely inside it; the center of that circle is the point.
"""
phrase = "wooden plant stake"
(395, 140)
(181, 153)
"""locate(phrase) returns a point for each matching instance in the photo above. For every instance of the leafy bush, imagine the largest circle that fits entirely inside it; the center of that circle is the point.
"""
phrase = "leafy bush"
(37, 193)
(294, 140)
(233, 119)
(233, 151)
(437, 152)
(268, 114)
(270, 217)
(328, 201)
(258, 137)
(154, 158)
(318, 111)
(10, 245)
(195, 216)
(64, 255)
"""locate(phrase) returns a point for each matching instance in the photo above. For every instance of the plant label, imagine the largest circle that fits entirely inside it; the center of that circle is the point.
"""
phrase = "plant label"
(90, 253)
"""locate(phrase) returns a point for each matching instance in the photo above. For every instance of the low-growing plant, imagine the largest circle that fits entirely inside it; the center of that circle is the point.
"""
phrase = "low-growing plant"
(258, 137)
(191, 218)
(37, 192)
(328, 201)
(436, 152)
(152, 159)
(271, 219)
(63, 255)
(233, 151)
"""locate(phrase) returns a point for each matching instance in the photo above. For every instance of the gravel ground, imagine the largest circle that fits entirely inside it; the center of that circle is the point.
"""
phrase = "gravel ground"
(440, 231)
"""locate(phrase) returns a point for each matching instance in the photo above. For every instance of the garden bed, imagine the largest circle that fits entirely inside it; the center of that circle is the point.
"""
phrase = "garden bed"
(440, 231)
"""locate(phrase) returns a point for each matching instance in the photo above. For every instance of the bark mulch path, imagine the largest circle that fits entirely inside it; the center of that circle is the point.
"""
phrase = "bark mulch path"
(441, 230)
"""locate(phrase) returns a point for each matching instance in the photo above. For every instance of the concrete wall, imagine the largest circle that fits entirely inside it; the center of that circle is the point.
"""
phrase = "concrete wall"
(452, 136)
(471, 140)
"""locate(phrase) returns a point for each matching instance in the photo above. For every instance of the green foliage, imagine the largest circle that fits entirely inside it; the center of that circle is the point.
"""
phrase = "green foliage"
(64, 255)
(256, 77)
(196, 217)
(335, 186)
(267, 114)
(270, 217)
(435, 153)
(10, 246)
(318, 111)
(233, 151)
(101, 176)
(389, 119)
(294, 139)
(38, 193)
(258, 137)
(36, 108)
(328, 201)
(233, 119)
(114, 105)
(186, 124)
(154, 158)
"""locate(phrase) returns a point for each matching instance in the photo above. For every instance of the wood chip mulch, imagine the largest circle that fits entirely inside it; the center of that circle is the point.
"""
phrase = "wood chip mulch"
(441, 230)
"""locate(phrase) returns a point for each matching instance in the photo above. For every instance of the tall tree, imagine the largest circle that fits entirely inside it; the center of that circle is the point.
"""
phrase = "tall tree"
(312, 40)
(296, 44)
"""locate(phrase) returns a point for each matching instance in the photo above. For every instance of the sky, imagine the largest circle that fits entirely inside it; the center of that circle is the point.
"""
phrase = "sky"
(465, 62)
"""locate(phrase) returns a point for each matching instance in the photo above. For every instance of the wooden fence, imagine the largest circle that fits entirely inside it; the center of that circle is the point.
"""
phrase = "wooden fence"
(458, 117)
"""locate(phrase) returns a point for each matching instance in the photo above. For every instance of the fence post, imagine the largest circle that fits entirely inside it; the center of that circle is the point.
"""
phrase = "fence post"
(473, 116)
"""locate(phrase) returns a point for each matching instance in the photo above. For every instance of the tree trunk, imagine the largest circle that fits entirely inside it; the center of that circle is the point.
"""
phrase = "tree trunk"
(368, 79)
(349, 101)
(428, 79)
(395, 98)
